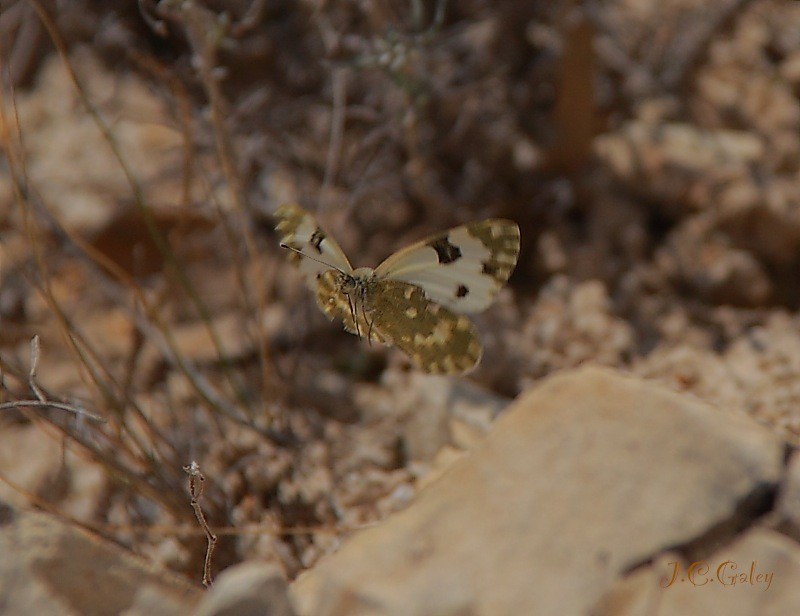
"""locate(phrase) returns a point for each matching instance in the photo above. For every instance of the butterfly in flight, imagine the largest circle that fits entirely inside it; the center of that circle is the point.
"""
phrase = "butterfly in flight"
(415, 299)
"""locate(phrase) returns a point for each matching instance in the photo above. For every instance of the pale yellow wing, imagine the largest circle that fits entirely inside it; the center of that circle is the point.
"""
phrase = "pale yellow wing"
(463, 268)
(320, 252)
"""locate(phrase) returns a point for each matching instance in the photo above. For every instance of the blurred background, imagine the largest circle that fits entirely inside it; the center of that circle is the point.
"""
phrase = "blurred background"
(649, 152)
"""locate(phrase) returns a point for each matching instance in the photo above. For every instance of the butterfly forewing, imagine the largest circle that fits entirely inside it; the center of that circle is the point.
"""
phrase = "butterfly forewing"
(462, 268)
(301, 231)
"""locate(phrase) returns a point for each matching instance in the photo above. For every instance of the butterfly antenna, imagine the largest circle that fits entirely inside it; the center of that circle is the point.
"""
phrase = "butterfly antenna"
(302, 254)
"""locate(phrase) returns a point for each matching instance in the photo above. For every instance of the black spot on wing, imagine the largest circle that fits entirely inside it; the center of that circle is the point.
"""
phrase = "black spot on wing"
(316, 239)
(490, 268)
(462, 291)
(445, 251)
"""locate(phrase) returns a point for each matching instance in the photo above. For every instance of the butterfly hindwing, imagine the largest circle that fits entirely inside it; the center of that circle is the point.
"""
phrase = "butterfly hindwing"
(301, 231)
(434, 338)
(397, 313)
(463, 268)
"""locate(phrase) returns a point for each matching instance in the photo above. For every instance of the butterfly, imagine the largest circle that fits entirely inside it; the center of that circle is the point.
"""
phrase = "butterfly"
(416, 298)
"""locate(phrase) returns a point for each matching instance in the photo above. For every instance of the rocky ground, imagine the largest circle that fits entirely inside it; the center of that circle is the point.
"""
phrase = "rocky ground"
(593, 493)
(650, 156)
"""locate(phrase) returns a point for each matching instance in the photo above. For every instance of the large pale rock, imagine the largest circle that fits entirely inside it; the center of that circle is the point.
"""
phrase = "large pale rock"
(441, 411)
(587, 476)
(29, 460)
(757, 574)
(50, 567)
(249, 589)
(787, 509)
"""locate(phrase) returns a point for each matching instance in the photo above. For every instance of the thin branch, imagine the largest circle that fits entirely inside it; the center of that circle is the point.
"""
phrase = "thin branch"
(42, 404)
(196, 486)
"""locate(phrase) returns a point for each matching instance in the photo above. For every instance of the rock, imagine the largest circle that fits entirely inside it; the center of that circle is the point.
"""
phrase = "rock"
(250, 589)
(583, 479)
(756, 575)
(571, 323)
(787, 509)
(62, 477)
(440, 412)
(52, 567)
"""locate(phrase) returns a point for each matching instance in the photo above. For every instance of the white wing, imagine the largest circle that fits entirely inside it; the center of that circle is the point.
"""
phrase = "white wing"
(320, 252)
(463, 268)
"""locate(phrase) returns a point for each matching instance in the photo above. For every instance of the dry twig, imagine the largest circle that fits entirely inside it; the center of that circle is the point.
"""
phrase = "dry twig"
(196, 485)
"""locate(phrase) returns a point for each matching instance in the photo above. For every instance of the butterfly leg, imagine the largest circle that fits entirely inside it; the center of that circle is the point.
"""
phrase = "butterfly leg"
(368, 321)
(353, 313)
(369, 333)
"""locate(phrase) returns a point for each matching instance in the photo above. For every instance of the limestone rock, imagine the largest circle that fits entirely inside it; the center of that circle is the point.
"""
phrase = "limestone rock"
(756, 575)
(583, 479)
(51, 567)
(250, 589)
(787, 509)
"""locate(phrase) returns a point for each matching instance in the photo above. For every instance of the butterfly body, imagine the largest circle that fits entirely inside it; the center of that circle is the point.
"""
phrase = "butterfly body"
(413, 298)
(343, 295)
